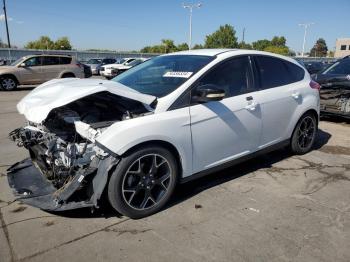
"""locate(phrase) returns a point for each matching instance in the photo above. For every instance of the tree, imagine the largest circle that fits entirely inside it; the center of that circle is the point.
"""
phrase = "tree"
(182, 47)
(319, 49)
(44, 42)
(169, 45)
(244, 45)
(62, 44)
(198, 46)
(282, 50)
(224, 37)
(261, 44)
(278, 41)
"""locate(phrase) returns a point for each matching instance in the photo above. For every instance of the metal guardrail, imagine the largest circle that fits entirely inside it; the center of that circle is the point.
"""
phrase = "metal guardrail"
(12, 54)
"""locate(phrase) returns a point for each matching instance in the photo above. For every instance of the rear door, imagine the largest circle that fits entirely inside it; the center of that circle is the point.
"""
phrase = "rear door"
(51, 67)
(31, 73)
(280, 86)
(228, 129)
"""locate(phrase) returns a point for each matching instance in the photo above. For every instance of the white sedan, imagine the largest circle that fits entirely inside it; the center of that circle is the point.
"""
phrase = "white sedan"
(106, 70)
(168, 120)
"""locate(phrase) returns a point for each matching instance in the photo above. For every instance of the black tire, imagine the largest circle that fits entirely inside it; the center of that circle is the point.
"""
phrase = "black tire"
(136, 189)
(304, 134)
(8, 83)
(67, 75)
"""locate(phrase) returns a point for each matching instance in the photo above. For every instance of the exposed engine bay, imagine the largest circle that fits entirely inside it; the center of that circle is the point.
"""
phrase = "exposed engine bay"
(70, 163)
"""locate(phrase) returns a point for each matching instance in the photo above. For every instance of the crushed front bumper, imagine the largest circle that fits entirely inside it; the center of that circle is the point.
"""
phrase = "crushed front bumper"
(31, 187)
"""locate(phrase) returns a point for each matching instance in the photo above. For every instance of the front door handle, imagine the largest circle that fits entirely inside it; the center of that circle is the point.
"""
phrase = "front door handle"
(296, 95)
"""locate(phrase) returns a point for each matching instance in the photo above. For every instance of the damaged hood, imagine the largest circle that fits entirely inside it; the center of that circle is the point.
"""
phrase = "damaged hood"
(58, 92)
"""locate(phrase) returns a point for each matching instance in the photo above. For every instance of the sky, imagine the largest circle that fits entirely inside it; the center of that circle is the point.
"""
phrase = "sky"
(130, 25)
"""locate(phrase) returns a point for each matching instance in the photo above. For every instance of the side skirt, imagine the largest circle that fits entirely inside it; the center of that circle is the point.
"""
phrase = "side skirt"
(274, 147)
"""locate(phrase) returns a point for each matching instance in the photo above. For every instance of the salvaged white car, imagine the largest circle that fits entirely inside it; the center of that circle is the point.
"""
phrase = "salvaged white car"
(170, 119)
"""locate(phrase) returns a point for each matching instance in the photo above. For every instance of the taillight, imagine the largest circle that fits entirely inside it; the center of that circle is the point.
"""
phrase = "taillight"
(315, 85)
(79, 65)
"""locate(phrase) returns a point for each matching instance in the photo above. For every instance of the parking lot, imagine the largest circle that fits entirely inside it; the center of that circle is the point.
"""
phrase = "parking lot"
(277, 207)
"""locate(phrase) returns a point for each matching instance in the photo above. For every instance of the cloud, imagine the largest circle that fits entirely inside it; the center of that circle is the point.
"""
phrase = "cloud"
(2, 18)
(10, 19)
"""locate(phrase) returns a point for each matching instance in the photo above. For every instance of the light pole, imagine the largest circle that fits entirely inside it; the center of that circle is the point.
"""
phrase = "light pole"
(305, 25)
(7, 27)
(190, 7)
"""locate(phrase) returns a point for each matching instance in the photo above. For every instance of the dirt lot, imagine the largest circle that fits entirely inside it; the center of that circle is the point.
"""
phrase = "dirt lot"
(274, 208)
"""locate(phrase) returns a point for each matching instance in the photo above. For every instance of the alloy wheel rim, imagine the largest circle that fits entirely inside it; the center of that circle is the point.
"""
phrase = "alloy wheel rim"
(8, 83)
(306, 132)
(146, 181)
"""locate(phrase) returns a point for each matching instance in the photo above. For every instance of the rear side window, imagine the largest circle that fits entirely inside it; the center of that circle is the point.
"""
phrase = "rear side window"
(65, 60)
(272, 72)
(296, 73)
(51, 60)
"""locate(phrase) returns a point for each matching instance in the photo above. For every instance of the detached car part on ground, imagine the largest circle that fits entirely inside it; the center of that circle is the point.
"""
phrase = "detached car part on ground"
(168, 120)
(335, 89)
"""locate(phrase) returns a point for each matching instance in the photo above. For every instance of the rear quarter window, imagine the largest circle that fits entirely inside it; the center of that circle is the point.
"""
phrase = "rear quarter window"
(296, 72)
(274, 72)
(65, 60)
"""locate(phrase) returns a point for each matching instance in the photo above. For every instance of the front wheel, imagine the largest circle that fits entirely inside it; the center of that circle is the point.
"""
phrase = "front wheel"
(304, 134)
(8, 83)
(143, 182)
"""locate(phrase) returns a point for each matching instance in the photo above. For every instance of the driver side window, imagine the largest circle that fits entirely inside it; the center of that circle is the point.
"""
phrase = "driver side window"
(232, 76)
(33, 61)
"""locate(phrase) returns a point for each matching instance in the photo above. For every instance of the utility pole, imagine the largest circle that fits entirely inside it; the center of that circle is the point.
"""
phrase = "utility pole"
(190, 7)
(243, 33)
(306, 26)
(7, 28)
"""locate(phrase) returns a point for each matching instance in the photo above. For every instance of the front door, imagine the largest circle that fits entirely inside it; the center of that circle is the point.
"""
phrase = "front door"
(228, 129)
(31, 72)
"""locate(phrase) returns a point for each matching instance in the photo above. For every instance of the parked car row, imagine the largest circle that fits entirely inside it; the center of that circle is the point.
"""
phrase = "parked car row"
(112, 70)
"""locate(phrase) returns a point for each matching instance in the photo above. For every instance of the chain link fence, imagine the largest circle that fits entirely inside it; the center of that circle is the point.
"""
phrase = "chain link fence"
(8, 55)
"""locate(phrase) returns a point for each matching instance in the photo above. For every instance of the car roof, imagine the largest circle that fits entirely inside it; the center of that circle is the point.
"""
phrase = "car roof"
(207, 52)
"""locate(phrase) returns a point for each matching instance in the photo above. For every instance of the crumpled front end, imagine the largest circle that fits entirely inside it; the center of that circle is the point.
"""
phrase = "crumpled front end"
(67, 169)
(59, 175)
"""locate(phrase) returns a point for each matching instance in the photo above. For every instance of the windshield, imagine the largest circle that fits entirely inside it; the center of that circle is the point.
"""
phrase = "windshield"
(94, 61)
(162, 75)
(16, 62)
(341, 67)
(135, 62)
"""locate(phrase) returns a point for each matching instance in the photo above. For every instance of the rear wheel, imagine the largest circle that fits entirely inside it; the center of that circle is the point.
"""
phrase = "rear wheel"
(8, 83)
(143, 182)
(304, 134)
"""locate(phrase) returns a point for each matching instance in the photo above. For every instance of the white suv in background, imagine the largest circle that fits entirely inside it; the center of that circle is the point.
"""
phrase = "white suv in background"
(106, 70)
(168, 120)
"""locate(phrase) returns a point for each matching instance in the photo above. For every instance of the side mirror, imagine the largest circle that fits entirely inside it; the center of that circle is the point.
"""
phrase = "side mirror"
(22, 65)
(207, 93)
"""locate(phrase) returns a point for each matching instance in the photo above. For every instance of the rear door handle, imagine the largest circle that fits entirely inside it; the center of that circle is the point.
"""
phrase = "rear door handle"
(251, 106)
(295, 95)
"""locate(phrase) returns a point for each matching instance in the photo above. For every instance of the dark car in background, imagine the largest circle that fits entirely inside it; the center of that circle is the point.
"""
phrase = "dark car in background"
(314, 67)
(335, 88)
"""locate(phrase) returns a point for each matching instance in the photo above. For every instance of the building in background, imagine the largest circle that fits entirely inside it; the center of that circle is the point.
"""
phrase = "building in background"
(342, 47)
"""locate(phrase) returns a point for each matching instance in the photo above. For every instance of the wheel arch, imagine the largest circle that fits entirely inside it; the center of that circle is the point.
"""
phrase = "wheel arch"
(160, 143)
(67, 73)
(10, 75)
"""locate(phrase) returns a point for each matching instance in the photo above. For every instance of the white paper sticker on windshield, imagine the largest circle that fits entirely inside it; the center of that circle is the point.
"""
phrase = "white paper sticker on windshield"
(178, 74)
